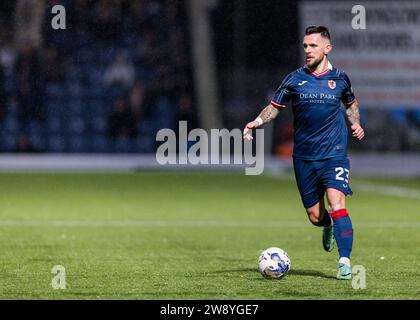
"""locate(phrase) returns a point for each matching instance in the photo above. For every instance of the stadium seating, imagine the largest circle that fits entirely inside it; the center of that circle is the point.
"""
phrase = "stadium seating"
(78, 105)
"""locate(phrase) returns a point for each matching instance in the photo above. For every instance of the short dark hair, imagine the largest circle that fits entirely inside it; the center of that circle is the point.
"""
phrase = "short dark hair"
(318, 29)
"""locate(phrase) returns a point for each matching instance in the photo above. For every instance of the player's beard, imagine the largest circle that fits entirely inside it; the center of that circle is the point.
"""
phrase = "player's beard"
(315, 63)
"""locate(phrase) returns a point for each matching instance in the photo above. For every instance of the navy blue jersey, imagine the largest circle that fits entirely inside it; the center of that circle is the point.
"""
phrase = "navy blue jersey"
(319, 117)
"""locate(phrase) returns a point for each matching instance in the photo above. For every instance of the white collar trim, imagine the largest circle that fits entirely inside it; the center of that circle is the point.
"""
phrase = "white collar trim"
(329, 66)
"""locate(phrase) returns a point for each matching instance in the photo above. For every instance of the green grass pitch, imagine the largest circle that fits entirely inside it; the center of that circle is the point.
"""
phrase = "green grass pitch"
(196, 235)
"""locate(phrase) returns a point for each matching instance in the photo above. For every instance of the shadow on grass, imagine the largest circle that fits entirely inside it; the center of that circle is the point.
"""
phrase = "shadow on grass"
(235, 270)
(293, 272)
(310, 273)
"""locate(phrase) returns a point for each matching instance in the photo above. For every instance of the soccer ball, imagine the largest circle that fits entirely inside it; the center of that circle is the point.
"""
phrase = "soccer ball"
(274, 263)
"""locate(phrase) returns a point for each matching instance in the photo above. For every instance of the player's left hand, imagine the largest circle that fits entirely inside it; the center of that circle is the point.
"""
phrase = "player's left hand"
(358, 131)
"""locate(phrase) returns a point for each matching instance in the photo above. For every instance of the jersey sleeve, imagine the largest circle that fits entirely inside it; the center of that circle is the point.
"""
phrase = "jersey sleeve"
(283, 93)
(348, 96)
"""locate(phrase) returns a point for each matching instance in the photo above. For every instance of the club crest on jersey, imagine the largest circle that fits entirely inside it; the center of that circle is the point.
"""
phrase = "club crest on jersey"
(331, 84)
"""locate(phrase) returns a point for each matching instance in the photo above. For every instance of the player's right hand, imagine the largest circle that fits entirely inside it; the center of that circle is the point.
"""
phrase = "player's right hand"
(248, 129)
(358, 131)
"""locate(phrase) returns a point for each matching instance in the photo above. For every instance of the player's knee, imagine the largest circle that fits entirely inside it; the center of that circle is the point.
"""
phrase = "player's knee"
(336, 200)
(313, 216)
(337, 205)
(314, 220)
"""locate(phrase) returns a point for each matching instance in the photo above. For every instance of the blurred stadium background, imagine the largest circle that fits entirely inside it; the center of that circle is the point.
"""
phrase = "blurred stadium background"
(122, 70)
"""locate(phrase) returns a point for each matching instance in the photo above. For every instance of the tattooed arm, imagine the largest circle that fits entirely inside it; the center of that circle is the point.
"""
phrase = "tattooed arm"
(353, 115)
(266, 115)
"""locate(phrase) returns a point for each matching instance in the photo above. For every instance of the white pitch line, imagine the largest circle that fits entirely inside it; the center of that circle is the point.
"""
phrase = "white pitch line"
(388, 190)
(371, 187)
(150, 223)
(189, 224)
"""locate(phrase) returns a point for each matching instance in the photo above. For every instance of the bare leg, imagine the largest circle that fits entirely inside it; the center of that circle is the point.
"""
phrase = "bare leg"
(316, 213)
